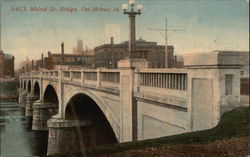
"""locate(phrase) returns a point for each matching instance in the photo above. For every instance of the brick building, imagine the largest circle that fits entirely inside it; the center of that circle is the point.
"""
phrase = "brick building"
(53, 60)
(26, 66)
(6, 65)
(107, 55)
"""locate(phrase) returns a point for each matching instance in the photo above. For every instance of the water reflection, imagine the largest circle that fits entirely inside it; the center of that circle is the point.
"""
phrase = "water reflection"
(17, 138)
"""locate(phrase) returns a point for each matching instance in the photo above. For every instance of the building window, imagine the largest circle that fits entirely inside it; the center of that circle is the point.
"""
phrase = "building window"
(228, 84)
(242, 72)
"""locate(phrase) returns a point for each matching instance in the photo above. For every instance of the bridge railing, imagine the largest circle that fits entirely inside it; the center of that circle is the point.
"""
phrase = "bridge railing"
(109, 78)
(51, 74)
(163, 81)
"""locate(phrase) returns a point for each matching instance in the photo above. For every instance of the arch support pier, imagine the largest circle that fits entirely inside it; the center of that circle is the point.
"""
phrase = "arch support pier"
(22, 97)
(42, 112)
(68, 135)
(30, 99)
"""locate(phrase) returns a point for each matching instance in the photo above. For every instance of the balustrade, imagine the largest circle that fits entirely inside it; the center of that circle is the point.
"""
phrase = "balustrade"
(110, 77)
(176, 81)
(76, 75)
(170, 79)
(90, 75)
(66, 74)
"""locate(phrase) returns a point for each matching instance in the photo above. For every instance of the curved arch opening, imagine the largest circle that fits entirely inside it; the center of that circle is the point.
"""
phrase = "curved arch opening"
(24, 85)
(50, 95)
(37, 90)
(82, 107)
(29, 86)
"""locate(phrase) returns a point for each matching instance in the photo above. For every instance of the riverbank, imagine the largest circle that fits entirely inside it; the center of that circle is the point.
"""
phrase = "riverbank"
(8, 88)
(229, 138)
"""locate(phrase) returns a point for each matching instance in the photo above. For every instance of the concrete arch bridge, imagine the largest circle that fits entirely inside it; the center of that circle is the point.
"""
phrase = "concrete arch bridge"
(90, 107)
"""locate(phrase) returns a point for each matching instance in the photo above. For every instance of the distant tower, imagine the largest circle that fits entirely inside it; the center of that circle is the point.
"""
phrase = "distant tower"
(79, 47)
(62, 53)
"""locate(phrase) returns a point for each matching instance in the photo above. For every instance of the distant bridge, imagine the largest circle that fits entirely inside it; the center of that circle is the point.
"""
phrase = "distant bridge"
(104, 106)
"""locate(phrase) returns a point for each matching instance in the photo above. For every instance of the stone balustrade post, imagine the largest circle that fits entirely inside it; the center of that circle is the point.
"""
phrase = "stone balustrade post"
(137, 80)
(82, 77)
(41, 85)
(60, 94)
(128, 105)
(71, 76)
(98, 79)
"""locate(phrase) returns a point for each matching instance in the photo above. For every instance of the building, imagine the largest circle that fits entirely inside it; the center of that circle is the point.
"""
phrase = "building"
(78, 50)
(69, 59)
(53, 60)
(6, 65)
(244, 59)
(179, 61)
(26, 66)
(108, 55)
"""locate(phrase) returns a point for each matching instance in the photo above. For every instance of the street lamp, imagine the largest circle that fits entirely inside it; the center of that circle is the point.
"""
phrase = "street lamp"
(132, 14)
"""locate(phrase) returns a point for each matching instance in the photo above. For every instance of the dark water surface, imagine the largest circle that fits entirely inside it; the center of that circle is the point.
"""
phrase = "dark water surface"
(17, 138)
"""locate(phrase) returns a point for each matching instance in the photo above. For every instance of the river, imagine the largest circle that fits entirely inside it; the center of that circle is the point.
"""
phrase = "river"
(17, 138)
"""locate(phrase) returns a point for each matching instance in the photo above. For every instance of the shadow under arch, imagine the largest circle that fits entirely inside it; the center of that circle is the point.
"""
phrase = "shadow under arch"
(29, 86)
(24, 85)
(50, 95)
(37, 90)
(83, 107)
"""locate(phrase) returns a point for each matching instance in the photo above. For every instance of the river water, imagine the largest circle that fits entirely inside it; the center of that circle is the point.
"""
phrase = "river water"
(17, 138)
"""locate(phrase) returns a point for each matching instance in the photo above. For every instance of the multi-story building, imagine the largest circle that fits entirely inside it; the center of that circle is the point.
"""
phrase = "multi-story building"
(26, 66)
(244, 59)
(108, 55)
(79, 48)
(6, 65)
(58, 59)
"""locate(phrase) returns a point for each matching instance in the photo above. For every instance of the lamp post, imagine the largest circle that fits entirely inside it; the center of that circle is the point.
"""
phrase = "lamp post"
(132, 34)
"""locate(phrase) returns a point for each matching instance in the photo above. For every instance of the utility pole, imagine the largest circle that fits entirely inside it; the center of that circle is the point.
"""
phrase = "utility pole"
(0, 27)
(168, 56)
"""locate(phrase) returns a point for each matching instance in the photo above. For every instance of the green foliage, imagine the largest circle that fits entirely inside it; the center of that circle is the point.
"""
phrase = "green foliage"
(8, 87)
(232, 124)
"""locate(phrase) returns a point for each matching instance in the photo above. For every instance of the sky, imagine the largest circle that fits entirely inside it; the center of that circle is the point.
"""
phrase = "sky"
(209, 25)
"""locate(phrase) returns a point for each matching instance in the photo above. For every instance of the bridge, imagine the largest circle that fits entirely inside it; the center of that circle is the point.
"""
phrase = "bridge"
(90, 107)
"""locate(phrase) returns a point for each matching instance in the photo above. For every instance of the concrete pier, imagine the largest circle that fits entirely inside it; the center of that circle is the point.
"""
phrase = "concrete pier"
(67, 136)
(41, 113)
(30, 98)
(20, 90)
(22, 97)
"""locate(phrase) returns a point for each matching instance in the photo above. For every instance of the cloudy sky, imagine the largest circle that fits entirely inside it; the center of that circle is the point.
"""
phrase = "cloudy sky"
(209, 25)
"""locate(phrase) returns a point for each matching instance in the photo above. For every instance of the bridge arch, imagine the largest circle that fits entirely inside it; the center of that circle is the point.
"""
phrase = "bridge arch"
(83, 107)
(46, 84)
(37, 89)
(21, 84)
(29, 86)
(111, 117)
(50, 94)
(24, 84)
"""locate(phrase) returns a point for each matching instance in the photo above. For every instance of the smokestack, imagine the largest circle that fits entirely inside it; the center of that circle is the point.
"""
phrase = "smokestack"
(112, 40)
(175, 60)
(1, 27)
(41, 60)
(62, 53)
(32, 65)
(26, 68)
